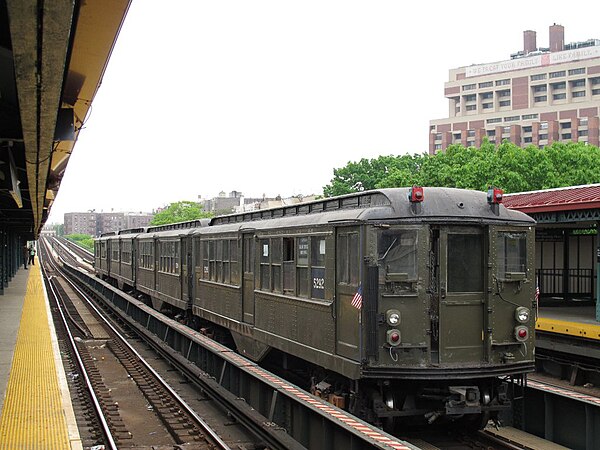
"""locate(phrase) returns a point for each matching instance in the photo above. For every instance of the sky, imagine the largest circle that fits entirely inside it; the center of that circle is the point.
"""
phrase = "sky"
(268, 97)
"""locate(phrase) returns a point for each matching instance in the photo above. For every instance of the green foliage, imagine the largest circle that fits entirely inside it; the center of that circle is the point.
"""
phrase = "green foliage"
(59, 229)
(179, 212)
(83, 240)
(507, 166)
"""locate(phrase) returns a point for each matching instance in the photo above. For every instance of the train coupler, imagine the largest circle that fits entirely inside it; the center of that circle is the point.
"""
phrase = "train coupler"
(463, 400)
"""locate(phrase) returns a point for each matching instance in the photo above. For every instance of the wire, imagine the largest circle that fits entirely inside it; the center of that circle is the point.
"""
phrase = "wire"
(502, 298)
(392, 355)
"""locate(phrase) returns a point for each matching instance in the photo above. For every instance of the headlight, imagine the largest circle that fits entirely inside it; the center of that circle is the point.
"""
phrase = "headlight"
(522, 314)
(393, 317)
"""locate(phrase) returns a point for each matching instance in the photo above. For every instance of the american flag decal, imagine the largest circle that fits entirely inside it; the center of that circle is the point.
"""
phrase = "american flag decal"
(357, 299)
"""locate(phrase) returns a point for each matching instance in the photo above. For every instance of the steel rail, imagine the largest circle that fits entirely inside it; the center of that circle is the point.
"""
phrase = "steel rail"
(188, 409)
(105, 427)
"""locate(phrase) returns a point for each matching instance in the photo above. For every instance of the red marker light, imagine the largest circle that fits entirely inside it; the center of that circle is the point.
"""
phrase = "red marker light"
(395, 337)
(415, 194)
(494, 195)
(522, 334)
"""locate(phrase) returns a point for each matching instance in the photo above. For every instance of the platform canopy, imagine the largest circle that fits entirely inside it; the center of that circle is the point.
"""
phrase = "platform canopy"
(575, 205)
(52, 58)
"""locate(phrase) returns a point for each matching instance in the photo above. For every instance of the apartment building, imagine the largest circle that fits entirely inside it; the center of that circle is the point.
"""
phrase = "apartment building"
(81, 223)
(539, 96)
(95, 224)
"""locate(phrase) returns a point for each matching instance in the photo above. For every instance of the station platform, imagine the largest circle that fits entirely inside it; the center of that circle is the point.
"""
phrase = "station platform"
(579, 321)
(35, 409)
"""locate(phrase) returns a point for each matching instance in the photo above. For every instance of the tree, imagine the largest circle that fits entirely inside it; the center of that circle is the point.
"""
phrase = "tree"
(507, 166)
(179, 212)
(83, 240)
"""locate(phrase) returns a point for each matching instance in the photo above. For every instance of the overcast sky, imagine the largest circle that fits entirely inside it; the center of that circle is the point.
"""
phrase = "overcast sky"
(268, 97)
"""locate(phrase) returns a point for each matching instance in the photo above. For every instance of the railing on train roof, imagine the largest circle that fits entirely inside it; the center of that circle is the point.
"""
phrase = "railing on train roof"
(132, 230)
(179, 225)
(350, 201)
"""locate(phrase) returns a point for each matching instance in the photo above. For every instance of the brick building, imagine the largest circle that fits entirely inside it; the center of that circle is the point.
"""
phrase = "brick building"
(539, 96)
(95, 224)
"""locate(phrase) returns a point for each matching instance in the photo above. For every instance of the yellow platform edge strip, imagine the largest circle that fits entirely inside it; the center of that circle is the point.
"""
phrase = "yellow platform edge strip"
(588, 331)
(33, 415)
(72, 430)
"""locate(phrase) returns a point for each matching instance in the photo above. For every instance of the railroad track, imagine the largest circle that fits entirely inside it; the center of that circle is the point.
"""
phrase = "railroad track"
(178, 360)
(183, 424)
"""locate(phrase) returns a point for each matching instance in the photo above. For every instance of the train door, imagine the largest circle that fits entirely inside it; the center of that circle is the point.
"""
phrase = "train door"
(348, 292)
(248, 256)
(461, 286)
(186, 269)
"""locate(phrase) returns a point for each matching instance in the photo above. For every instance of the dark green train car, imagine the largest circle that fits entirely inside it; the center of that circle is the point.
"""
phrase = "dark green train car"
(401, 308)
(397, 304)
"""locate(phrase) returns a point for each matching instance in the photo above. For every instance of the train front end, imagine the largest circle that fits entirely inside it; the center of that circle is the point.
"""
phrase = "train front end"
(449, 306)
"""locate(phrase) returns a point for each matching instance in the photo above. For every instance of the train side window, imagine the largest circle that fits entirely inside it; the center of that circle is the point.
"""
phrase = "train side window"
(276, 263)
(212, 270)
(342, 259)
(465, 263)
(233, 260)
(176, 257)
(512, 254)
(219, 261)
(226, 267)
(353, 259)
(289, 269)
(126, 252)
(248, 254)
(317, 268)
(302, 267)
(205, 263)
(265, 279)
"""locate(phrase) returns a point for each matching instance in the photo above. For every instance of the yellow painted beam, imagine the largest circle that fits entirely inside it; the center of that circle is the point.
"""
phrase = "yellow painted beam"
(588, 331)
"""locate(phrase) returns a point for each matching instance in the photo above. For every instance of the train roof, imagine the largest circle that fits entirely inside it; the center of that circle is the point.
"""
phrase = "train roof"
(438, 203)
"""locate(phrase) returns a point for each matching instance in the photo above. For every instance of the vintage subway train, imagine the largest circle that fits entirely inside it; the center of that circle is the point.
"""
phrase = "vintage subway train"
(408, 304)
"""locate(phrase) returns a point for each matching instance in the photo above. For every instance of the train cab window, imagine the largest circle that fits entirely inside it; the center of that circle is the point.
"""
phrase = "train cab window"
(465, 263)
(512, 254)
(397, 255)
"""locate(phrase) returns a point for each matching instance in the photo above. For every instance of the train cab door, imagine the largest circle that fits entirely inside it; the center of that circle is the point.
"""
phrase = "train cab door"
(248, 256)
(347, 288)
(462, 261)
